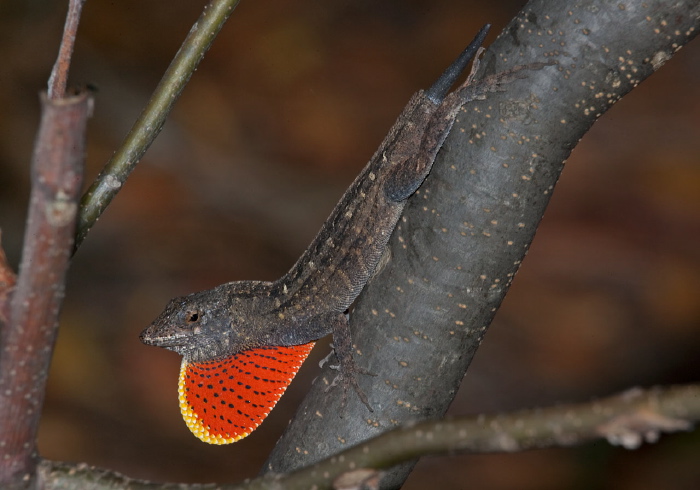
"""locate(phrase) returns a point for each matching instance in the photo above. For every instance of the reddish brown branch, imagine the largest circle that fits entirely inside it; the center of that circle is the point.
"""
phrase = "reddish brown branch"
(28, 336)
(59, 73)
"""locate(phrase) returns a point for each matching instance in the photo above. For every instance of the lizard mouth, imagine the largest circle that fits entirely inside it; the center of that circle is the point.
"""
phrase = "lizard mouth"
(167, 341)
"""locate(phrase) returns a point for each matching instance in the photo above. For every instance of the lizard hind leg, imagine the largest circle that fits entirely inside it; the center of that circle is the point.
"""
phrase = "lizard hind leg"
(224, 400)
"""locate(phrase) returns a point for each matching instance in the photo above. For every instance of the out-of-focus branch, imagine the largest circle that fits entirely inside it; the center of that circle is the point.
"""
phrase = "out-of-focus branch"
(628, 419)
(151, 120)
(27, 338)
(59, 75)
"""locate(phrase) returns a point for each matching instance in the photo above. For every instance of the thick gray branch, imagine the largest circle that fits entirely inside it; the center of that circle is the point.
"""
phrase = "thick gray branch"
(418, 324)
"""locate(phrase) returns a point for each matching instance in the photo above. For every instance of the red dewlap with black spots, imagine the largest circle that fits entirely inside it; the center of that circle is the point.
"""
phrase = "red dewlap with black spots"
(223, 401)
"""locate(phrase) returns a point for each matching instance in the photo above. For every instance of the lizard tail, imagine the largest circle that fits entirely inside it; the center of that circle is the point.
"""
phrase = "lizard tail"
(437, 92)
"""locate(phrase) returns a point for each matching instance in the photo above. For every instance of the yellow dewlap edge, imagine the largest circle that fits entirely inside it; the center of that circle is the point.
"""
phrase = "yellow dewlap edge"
(192, 420)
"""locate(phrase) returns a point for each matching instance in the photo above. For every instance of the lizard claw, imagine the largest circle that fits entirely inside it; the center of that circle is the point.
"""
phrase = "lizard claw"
(347, 378)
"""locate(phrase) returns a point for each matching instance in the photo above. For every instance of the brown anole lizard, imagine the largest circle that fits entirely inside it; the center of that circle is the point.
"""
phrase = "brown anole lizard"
(243, 342)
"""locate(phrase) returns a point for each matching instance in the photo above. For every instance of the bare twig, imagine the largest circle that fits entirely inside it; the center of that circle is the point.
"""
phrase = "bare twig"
(27, 339)
(633, 416)
(59, 74)
(151, 120)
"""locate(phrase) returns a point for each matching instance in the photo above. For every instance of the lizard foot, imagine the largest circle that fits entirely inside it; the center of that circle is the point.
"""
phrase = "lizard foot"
(347, 378)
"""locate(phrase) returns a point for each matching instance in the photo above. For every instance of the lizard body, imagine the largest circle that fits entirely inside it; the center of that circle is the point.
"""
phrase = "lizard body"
(243, 342)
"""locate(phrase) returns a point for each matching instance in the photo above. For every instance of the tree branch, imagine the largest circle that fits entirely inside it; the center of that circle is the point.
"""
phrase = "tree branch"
(628, 418)
(464, 235)
(28, 337)
(152, 119)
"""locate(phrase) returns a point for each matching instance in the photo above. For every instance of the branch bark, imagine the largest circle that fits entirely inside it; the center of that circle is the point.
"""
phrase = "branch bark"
(464, 235)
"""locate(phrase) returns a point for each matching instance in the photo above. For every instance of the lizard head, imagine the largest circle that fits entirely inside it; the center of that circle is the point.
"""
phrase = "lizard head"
(209, 324)
(234, 368)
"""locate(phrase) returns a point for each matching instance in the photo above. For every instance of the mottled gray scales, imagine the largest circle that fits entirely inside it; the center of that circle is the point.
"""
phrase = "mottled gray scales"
(309, 301)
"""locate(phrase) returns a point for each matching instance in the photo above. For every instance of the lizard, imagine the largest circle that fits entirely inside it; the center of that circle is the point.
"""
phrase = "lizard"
(244, 341)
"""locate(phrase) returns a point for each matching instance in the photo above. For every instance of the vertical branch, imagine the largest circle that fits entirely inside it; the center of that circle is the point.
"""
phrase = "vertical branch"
(28, 337)
(59, 74)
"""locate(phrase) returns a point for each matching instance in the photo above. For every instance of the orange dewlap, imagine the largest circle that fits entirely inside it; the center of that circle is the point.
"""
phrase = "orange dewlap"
(223, 401)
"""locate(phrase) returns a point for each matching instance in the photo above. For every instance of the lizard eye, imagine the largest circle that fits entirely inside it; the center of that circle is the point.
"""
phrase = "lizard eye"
(192, 316)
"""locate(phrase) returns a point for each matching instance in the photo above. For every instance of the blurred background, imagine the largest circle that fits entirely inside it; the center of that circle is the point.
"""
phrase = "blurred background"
(286, 108)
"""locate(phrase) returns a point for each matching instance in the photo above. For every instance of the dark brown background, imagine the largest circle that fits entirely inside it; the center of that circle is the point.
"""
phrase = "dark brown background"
(283, 112)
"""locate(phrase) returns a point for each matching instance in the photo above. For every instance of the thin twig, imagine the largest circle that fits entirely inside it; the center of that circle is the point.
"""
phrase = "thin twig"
(59, 75)
(151, 120)
(626, 419)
